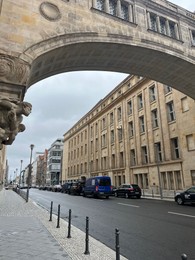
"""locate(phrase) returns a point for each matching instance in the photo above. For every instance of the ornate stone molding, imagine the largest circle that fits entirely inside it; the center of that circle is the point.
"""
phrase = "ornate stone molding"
(11, 112)
(13, 70)
(50, 11)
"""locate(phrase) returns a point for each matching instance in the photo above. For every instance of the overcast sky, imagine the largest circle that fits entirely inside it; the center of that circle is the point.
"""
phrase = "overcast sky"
(58, 103)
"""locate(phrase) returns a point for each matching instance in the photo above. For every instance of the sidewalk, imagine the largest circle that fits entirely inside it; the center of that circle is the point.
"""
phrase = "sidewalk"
(27, 233)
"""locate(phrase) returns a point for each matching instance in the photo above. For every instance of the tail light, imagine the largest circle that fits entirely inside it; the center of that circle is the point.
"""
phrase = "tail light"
(96, 188)
(131, 189)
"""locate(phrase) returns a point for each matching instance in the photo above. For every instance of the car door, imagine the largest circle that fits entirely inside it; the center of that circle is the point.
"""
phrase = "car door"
(191, 193)
(120, 190)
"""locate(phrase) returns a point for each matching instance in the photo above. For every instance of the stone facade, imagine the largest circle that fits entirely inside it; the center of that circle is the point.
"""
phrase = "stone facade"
(142, 132)
(154, 39)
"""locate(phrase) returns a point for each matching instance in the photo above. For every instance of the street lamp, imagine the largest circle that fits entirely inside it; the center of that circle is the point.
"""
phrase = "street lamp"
(20, 172)
(29, 171)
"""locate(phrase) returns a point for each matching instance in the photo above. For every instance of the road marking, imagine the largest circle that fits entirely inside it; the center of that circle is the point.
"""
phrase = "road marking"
(129, 205)
(180, 214)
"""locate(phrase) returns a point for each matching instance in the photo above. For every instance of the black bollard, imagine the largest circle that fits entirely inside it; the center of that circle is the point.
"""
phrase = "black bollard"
(184, 257)
(117, 244)
(69, 224)
(58, 220)
(87, 237)
(51, 210)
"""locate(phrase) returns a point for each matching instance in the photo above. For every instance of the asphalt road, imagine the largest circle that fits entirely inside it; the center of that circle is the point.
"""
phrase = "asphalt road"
(149, 229)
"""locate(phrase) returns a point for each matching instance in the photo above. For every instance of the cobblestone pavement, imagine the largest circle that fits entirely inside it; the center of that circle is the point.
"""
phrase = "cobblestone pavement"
(27, 233)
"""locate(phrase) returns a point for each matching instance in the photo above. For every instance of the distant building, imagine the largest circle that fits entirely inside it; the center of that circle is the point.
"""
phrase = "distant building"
(41, 171)
(54, 162)
(3, 167)
(142, 132)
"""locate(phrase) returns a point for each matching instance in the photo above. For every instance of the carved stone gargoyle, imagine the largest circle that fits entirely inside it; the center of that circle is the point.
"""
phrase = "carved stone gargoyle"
(11, 112)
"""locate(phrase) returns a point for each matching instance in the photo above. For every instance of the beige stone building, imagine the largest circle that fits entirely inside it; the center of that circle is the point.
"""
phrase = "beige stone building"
(141, 132)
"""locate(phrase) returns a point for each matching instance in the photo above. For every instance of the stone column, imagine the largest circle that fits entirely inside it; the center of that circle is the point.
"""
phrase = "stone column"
(94, 3)
(167, 28)
(106, 7)
(118, 9)
(130, 13)
(158, 23)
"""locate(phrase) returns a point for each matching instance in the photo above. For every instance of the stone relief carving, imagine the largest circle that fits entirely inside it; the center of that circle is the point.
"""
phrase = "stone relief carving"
(11, 112)
(50, 11)
(13, 70)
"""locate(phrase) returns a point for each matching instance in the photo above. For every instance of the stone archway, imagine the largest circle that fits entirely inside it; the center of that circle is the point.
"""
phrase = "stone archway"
(42, 38)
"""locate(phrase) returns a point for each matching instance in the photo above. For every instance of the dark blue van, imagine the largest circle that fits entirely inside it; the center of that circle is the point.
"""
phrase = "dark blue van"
(99, 186)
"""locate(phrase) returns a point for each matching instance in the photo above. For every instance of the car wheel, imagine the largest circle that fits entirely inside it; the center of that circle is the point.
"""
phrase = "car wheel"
(138, 197)
(116, 194)
(126, 195)
(179, 201)
(107, 197)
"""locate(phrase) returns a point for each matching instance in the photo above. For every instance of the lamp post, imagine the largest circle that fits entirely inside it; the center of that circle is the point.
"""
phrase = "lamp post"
(29, 172)
(20, 173)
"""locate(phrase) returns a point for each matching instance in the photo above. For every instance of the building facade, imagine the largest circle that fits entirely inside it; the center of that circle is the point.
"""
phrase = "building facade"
(142, 132)
(54, 162)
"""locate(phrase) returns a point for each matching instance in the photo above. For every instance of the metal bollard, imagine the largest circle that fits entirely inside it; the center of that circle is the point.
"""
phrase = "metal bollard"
(69, 224)
(117, 244)
(152, 194)
(87, 237)
(58, 220)
(51, 210)
(184, 257)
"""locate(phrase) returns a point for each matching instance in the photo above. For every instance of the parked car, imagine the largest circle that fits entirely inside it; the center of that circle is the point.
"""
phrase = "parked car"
(113, 189)
(66, 187)
(56, 188)
(99, 186)
(76, 188)
(187, 196)
(128, 190)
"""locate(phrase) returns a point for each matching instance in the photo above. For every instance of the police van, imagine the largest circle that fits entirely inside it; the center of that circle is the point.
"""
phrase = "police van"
(99, 186)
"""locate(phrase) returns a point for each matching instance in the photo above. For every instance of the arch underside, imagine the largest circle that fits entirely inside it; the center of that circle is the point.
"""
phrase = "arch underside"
(116, 57)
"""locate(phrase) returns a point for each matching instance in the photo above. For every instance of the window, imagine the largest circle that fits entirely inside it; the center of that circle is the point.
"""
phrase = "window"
(164, 180)
(175, 148)
(167, 89)
(153, 22)
(184, 104)
(111, 118)
(193, 177)
(113, 161)
(140, 101)
(120, 134)
(91, 131)
(141, 124)
(193, 38)
(163, 25)
(103, 140)
(112, 6)
(170, 111)
(104, 123)
(158, 152)
(121, 160)
(124, 12)
(96, 128)
(154, 118)
(129, 107)
(152, 92)
(119, 113)
(178, 183)
(190, 142)
(132, 157)
(131, 132)
(172, 29)
(100, 5)
(112, 136)
(144, 154)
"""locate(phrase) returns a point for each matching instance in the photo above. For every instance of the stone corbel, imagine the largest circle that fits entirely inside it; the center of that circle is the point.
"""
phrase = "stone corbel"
(14, 75)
